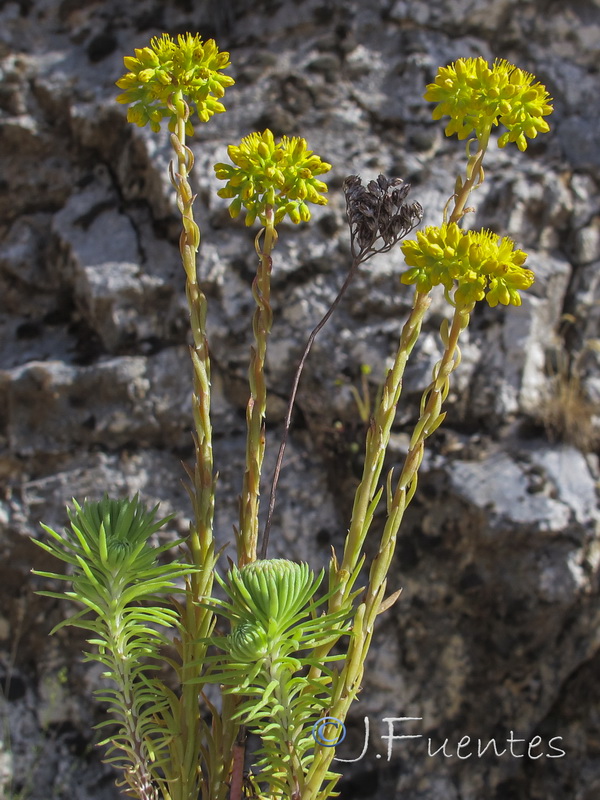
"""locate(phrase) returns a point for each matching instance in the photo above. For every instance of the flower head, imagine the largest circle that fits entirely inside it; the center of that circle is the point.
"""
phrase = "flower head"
(280, 175)
(162, 74)
(477, 264)
(476, 96)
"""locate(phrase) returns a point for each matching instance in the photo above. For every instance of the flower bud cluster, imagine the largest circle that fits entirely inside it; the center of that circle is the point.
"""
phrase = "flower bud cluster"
(280, 175)
(158, 73)
(476, 97)
(477, 264)
(378, 211)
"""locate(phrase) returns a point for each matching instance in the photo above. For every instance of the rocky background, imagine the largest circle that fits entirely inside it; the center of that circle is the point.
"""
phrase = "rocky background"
(497, 632)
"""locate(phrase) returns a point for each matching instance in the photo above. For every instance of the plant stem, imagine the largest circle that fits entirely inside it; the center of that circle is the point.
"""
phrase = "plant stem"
(137, 775)
(366, 499)
(379, 431)
(247, 537)
(430, 419)
(365, 502)
(197, 620)
(431, 416)
(378, 437)
(289, 764)
(292, 399)
(200, 542)
(237, 769)
(474, 177)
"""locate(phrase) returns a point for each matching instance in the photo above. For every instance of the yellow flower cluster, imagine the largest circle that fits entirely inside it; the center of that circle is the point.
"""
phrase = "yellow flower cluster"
(280, 175)
(478, 263)
(476, 96)
(163, 74)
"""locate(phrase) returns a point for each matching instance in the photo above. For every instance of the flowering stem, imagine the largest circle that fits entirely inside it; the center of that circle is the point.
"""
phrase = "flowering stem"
(247, 537)
(197, 622)
(474, 177)
(292, 400)
(204, 482)
(431, 417)
(365, 503)
(378, 437)
(429, 420)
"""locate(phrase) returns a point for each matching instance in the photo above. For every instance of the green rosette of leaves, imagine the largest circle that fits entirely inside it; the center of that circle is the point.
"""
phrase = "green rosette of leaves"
(123, 589)
(276, 627)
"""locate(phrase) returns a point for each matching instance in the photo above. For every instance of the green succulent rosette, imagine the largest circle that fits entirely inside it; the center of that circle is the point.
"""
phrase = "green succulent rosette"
(476, 97)
(271, 592)
(280, 175)
(475, 264)
(161, 75)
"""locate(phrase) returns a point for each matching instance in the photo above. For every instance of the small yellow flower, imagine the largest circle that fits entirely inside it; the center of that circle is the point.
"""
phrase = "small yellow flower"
(280, 175)
(477, 264)
(161, 75)
(476, 97)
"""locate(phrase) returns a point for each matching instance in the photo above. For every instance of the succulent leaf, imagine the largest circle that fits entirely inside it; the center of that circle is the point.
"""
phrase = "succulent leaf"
(276, 628)
(117, 578)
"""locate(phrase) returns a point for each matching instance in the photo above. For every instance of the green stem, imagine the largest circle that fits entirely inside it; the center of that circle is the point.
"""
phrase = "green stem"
(365, 501)
(290, 727)
(346, 689)
(431, 416)
(430, 419)
(197, 620)
(200, 541)
(378, 437)
(474, 177)
(137, 775)
(247, 537)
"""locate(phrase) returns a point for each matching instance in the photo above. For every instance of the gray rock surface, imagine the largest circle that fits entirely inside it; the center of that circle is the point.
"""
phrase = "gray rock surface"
(496, 634)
